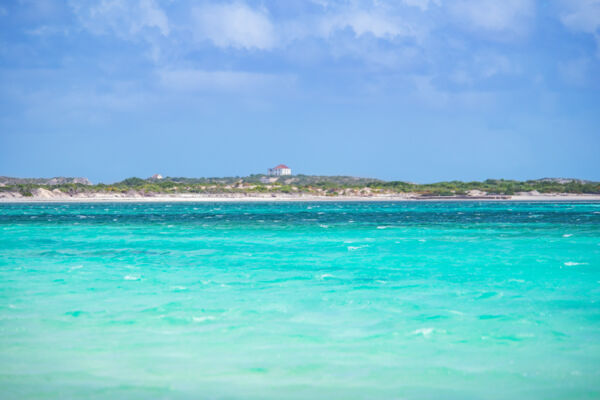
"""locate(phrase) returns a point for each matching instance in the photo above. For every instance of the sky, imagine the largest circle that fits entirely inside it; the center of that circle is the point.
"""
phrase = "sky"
(413, 90)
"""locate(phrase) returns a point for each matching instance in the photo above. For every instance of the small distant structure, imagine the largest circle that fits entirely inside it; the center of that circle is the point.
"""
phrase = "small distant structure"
(157, 176)
(280, 170)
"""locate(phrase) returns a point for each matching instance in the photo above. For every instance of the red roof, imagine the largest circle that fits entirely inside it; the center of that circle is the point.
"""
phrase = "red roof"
(282, 166)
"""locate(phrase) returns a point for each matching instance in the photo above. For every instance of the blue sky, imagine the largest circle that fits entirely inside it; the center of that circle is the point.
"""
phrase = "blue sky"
(416, 90)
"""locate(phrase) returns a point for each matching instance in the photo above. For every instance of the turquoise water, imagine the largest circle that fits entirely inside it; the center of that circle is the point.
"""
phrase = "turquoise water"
(300, 300)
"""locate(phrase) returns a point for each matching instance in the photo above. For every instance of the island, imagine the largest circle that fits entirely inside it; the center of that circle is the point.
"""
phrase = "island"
(261, 187)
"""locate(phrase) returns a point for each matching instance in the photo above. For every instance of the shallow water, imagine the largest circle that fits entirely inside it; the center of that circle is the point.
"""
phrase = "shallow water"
(300, 300)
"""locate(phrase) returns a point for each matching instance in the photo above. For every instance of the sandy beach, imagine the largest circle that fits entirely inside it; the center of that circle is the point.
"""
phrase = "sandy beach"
(43, 196)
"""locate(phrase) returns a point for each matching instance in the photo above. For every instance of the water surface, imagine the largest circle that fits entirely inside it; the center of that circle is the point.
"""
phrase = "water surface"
(300, 300)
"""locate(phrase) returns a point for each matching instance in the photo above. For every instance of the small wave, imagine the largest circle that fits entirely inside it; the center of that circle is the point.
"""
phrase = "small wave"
(179, 288)
(382, 227)
(131, 277)
(488, 295)
(202, 319)
(324, 226)
(324, 276)
(354, 248)
(572, 263)
(517, 280)
(566, 235)
(426, 332)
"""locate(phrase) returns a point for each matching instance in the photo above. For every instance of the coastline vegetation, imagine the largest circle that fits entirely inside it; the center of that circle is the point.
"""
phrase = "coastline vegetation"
(308, 184)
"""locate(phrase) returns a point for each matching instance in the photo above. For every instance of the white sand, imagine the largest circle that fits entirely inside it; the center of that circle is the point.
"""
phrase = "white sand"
(43, 195)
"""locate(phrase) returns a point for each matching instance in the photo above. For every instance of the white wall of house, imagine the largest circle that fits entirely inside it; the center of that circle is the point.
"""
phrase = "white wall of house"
(280, 171)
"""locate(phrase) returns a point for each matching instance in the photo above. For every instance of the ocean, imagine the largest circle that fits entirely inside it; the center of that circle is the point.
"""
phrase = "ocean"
(331, 300)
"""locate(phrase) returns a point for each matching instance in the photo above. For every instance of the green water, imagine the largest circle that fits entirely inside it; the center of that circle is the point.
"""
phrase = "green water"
(300, 300)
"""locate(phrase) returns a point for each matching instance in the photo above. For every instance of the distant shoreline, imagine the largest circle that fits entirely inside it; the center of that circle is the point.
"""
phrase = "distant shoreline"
(300, 188)
(231, 198)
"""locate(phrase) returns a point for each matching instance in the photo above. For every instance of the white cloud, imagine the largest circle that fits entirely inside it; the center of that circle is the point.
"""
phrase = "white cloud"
(47, 30)
(123, 18)
(152, 16)
(484, 66)
(234, 25)
(583, 16)
(363, 22)
(422, 4)
(490, 65)
(142, 20)
(199, 80)
(376, 19)
(494, 15)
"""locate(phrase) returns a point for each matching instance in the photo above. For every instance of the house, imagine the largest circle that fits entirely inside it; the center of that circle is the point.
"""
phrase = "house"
(157, 176)
(280, 170)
